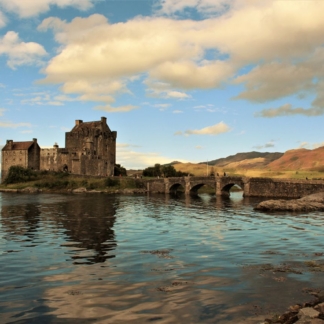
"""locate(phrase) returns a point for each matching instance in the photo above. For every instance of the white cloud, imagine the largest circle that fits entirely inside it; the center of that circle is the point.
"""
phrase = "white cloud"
(158, 89)
(177, 112)
(207, 7)
(189, 75)
(209, 130)
(280, 43)
(139, 160)
(2, 110)
(308, 145)
(13, 125)
(29, 8)
(40, 98)
(266, 145)
(111, 109)
(288, 110)
(18, 52)
(162, 106)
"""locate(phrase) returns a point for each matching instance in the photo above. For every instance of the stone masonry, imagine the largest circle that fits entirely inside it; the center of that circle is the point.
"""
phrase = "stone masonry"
(90, 149)
(25, 154)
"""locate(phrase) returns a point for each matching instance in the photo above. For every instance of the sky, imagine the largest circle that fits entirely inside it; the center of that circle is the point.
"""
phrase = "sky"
(185, 80)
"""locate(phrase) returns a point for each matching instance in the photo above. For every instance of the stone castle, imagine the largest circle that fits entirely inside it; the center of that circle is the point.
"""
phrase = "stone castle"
(90, 149)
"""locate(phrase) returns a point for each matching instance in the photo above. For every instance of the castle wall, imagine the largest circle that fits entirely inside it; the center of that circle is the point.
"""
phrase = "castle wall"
(34, 157)
(90, 150)
(53, 159)
(24, 154)
(10, 158)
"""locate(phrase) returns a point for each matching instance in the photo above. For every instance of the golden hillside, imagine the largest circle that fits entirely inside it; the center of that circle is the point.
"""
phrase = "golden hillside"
(300, 159)
(297, 163)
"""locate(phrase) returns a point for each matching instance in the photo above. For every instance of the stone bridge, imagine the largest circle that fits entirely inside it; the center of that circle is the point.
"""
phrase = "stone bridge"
(252, 187)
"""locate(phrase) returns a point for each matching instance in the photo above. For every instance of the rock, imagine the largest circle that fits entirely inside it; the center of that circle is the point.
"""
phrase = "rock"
(307, 203)
(320, 296)
(310, 321)
(79, 190)
(316, 197)
(8, 190)
(307, 313)
(320, 308)
(30, 190)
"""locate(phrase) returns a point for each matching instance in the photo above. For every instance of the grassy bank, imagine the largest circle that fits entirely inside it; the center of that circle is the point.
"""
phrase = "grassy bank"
(64, 181)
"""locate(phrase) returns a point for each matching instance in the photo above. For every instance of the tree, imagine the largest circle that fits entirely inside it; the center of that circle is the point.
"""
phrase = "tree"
(164, 170)
(119, 171)
(18, 174)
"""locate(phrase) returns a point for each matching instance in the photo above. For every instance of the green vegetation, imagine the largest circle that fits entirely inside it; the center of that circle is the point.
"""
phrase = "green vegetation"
(20, 178)
(18, 174)
(163, 171)
(119, 171)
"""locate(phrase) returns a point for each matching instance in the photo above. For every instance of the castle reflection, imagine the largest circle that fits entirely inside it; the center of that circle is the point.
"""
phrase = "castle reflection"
(85, 222)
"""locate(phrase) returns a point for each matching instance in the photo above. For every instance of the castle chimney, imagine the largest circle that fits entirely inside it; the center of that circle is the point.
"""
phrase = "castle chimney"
(10, 143)
(55, 145)
(35, 140)
(78, 122)
(104, 120)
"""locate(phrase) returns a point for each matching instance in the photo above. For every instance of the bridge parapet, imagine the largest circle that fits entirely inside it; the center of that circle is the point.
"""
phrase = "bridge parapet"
(253, 187)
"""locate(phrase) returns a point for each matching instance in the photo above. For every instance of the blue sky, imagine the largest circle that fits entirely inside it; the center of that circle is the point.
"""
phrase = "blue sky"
(186, 80)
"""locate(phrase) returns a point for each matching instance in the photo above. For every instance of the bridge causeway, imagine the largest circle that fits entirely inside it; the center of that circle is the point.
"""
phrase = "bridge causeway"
(252, 187)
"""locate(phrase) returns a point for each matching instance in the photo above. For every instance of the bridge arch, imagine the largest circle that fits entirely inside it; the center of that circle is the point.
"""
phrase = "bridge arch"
(196, 186)
(227, 183)
(176, 188)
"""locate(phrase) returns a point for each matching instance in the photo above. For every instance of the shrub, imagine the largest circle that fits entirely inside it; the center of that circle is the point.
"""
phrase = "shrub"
(18, 174)
(119, 171)
(109, 182)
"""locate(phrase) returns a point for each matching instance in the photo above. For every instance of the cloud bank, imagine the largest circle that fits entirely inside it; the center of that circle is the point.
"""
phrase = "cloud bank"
(29, 8)
(271, 49)
(18, 52)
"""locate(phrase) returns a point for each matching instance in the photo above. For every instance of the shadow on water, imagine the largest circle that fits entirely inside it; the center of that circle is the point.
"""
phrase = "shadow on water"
(87, 223)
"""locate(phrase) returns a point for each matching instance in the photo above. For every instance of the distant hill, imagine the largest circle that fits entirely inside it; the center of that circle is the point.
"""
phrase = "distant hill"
(300, 159)
(250, 159)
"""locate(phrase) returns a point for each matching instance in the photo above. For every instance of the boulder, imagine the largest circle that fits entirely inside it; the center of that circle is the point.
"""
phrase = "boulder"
(30, 190)
(308, 203)
(79, 190)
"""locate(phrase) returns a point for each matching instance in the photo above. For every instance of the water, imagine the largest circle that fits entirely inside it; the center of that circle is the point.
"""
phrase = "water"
(141, 259)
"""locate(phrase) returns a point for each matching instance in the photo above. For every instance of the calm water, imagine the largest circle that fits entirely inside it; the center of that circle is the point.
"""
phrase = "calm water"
(142, 259)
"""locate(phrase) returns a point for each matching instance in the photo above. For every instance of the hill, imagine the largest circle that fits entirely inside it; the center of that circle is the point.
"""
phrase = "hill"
(300, 159)
(251, 159)
(297, 163)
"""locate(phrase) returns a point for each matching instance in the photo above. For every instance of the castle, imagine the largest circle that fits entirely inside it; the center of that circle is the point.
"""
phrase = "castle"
(90, 149)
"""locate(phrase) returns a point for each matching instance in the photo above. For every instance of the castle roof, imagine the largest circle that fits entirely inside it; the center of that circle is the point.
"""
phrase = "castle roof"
(18, 146)
(80, 125)
(93, 124)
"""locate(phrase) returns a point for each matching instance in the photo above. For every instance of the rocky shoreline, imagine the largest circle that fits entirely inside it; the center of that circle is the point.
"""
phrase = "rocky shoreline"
(307, 313)
(308, 203)
(76, 191)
